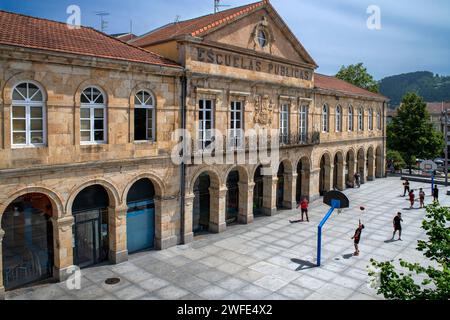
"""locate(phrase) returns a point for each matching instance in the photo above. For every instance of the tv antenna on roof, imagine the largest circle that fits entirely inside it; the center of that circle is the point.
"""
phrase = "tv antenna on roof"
(103, 22)
(217, 6)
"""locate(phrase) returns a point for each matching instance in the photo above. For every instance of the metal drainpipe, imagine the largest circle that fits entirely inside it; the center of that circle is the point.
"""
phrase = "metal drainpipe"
(385, 105)
(183, 81)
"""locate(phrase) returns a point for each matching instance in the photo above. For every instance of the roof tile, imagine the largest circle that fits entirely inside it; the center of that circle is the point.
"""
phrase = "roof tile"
(36, 33)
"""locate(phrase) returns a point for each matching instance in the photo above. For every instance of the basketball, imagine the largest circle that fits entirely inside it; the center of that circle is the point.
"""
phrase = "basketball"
(362, 208)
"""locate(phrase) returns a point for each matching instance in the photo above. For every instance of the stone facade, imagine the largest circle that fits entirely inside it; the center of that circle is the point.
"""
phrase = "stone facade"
(262, 79)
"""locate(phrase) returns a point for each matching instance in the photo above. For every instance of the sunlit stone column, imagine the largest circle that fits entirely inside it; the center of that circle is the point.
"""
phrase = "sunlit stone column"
(290, 188)
(218, 206)
(269, 195)
(63, 246)
(246, 202)
(188, 234)
(118, 252)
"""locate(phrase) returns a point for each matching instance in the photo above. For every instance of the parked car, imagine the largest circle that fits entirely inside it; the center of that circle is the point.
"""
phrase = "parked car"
(439, 161)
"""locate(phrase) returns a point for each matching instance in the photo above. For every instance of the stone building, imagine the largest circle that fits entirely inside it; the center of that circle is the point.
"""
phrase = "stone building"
(87, 134)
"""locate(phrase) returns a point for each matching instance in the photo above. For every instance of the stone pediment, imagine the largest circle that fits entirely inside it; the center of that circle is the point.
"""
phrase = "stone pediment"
(264, 32)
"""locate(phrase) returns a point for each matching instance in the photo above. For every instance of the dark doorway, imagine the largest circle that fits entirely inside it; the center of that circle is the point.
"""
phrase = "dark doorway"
(90, 210)
(232, 197)
(298, 194)
(201, 210)
(28, 241)
(258, 193)
(280, 187)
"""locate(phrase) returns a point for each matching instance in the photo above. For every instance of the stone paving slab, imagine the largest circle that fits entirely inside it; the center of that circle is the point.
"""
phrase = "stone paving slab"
(269, 259)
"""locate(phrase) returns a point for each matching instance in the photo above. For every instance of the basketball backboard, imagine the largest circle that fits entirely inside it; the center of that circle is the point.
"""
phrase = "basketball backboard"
(336, 195)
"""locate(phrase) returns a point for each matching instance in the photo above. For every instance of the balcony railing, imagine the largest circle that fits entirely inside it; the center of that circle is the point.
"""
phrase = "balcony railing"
(240, 143)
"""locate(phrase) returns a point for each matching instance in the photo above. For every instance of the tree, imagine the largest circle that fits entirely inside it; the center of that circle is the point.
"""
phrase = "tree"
(396, 159)
(358, 75)
(411, 132)
(436, 279)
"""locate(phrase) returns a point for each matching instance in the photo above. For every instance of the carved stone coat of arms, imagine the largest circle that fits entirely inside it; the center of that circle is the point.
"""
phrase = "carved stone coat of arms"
(263, 110)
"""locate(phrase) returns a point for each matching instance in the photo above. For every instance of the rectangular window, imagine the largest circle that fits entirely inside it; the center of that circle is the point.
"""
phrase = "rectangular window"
(27, 125)
(303, 130)
(284, 124)
(92, 125)
(144, 124)
(206, 124)
(236, 125)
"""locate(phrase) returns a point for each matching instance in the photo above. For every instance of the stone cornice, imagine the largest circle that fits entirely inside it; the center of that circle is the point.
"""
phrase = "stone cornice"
(76, 167)
(78, 60)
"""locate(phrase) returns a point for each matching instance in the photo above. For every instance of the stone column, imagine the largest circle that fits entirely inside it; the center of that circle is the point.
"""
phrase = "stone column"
(269, 195)
(314, 186)
(340, 176)
(218, 206)
(362, 170)
(246, 202)
(188, 235)
(118, 252)
(290, 188)
(370, 170)
(63, 246)
(2, 288)
(166, 208)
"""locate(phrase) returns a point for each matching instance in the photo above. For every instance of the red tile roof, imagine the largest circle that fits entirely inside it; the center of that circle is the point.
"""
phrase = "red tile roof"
(30, 32)
(334, 84)
(195, 27)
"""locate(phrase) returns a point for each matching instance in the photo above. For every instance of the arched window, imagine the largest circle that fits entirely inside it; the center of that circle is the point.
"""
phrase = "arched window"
(350, 119)
(27, 116)
(325, 118)
(370, 119)
(378, 120)
(338, 119)
(144, 116)
(360, 119)
(92, 116)
(262, 38)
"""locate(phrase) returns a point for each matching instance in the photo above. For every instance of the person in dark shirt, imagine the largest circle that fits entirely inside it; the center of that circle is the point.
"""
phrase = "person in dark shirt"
(436, 194)
(412, 198)
(357, 238)
(406, 187)
(398, 226)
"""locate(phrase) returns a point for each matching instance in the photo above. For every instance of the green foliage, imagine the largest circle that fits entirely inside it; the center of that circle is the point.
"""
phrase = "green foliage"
(433, 88)
(396, 158)
(411, 132)
(436, 279)
(358, 75)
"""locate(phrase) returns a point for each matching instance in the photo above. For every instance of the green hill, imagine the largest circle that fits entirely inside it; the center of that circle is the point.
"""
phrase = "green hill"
(433, 88)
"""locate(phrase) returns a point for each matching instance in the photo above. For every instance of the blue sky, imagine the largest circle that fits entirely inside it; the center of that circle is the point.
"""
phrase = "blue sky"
(414, 35)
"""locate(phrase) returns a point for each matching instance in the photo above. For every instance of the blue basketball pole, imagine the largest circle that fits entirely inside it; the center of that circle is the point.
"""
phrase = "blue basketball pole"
(334, 204)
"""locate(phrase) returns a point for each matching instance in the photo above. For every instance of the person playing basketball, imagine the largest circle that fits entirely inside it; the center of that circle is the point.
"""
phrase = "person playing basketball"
(357, 237)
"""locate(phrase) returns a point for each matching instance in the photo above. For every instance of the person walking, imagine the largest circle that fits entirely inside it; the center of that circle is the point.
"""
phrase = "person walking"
(406, 187)
(436, 194)
(412, 198)
(357, 180)
(304, 204)
(422, 198)
(398, 226)
(357, 238)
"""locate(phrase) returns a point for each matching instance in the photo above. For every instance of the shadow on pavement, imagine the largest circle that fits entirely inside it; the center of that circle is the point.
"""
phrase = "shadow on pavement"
(304, 265)
(347, 256)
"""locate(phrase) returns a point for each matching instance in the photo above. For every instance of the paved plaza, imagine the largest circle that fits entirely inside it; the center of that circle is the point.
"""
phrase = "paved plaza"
(269, 259)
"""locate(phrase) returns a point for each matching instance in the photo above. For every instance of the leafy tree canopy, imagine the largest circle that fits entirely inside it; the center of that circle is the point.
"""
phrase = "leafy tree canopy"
(412, 133)
(357, 74)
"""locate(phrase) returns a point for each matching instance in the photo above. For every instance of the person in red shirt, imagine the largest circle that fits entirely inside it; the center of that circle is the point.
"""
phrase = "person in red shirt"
(412, 198)
(304, 207)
